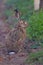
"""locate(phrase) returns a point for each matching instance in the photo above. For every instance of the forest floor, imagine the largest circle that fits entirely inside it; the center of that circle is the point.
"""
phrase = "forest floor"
(15, 59)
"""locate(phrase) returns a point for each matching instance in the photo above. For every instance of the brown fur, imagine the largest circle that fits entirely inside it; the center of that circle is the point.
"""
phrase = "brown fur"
(16, 36)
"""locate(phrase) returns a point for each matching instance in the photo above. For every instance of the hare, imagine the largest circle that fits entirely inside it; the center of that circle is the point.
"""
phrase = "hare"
(16, 37)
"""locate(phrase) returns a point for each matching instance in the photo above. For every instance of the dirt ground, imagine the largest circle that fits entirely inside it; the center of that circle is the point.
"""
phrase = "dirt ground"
(4, 29)
(17, 59)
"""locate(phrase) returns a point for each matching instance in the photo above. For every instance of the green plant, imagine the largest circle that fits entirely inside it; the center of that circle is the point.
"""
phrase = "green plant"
(41, 44)
(34, 56)
(25, 7)
(8, 12)
(35, 46)
(35, 28)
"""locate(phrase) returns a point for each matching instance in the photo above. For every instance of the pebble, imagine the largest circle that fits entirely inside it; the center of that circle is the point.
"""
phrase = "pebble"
(11, 53)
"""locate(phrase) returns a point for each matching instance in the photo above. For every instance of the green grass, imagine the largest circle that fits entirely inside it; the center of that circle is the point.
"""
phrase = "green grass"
(33, 56)
(8, 12)
(35, 28)
(25, 7)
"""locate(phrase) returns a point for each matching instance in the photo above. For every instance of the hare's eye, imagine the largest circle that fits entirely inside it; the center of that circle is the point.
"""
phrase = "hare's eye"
(25, 22)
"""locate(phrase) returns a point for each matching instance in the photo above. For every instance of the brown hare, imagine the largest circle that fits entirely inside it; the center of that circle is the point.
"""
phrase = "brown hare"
(16, 37)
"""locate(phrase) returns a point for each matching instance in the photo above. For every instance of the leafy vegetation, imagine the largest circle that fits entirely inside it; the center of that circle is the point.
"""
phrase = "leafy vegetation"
(8, 12)
(35, 29)
(25, 7)
(35, 56)
(34, 46)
